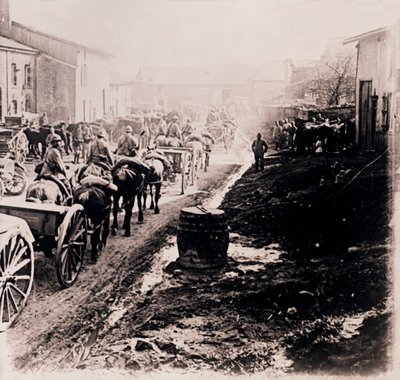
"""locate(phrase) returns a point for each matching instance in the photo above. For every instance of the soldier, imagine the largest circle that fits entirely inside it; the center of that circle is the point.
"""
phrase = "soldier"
(127, 144)
(99, 151)
(53, 166)
(259, 147)
(173, 129)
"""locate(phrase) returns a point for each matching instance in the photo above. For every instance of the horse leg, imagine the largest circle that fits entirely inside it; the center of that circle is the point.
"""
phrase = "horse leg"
(144, 196)
(114, 227)
(94, 241)
(106, 230)
(128, 215)
(151, 197)
(157, 197)
(140, 208)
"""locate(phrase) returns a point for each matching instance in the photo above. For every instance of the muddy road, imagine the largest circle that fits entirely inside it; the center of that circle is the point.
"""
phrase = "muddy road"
(307, 286)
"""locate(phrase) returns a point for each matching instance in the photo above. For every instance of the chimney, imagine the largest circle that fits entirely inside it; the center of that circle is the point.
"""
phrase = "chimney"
(5, 21)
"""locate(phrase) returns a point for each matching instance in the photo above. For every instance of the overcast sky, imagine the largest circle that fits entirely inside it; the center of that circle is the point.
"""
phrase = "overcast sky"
(142, 32)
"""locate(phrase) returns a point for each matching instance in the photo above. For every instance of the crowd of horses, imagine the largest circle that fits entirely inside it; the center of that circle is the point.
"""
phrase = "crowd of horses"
(301, 135)
(102, 190)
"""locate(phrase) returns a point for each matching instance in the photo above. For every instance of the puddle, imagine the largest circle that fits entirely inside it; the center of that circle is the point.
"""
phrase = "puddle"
(162, 258)
(218, 197)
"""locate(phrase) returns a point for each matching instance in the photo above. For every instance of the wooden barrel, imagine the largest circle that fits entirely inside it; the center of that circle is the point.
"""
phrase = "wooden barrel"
(203, 238)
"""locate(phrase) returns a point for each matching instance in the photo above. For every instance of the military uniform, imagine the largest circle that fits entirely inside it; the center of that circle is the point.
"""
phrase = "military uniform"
(126, 145)
(99, 151)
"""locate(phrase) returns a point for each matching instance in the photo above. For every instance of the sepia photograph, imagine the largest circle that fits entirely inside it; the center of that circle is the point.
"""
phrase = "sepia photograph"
(198, 189)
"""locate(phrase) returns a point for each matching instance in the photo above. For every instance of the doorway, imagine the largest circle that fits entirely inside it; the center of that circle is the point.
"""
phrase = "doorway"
(365, 137)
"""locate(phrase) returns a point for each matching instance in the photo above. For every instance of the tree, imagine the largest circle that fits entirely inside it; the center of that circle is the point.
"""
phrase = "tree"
(334, 78)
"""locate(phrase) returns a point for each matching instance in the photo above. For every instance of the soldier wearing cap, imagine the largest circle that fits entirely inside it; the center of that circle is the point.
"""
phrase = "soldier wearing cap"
(99, 151)
(127, 144)
(174, 130)
(53, 165)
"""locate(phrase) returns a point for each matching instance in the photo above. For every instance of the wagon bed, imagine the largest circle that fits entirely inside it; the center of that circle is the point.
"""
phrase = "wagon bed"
(46, 226)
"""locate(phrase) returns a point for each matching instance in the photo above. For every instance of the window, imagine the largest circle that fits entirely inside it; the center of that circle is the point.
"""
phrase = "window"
(14, 107)
(14, 74)
(28, 76)
(84, 79)
(28, 103)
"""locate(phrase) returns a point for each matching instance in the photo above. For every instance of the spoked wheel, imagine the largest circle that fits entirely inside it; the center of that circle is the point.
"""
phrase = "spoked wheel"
(184, 168)
(17, 185)
(2, 188)
(71, 245)
(16, 278)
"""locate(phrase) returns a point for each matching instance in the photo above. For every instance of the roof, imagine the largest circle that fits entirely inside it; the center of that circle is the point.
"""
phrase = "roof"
(6, 43)
(210, 75)
(366, 35)
(68, 42)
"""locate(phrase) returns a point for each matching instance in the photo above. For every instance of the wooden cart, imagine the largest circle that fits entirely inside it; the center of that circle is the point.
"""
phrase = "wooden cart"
(184, 157)
(52, 226)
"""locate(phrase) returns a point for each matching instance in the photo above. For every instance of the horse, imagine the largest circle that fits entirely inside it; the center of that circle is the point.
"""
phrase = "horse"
(95, 197)
(198, 154)
(127, 175)
(153, 178)
(97, 205)
(39, 136)
(44, 191)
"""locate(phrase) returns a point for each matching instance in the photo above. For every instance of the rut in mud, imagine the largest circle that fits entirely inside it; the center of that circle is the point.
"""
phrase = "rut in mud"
(306, 287)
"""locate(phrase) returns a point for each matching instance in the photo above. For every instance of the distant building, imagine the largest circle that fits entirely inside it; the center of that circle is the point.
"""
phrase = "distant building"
(72, 80)
(377, 86)
(211, 85)
(125, 95)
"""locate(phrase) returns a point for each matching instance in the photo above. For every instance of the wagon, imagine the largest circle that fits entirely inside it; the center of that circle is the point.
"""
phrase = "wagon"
(27, 227)
(222, 134)
(184, 156)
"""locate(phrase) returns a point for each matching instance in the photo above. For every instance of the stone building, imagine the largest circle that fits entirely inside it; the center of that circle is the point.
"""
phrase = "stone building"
(18, 83)
(72, 80)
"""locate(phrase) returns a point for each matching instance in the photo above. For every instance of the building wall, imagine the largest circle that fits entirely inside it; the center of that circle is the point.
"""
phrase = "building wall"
(120, 100)
(5, 26)
(55, 89)
(375, 63)
(14, 96)
(92, 86)
(268, 91)
(45, 43)
(169, 96)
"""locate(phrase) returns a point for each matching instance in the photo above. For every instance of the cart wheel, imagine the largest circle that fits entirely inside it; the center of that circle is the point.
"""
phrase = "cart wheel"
(16, 278)
(17, 185)
(71, 245)
(2, 188)
(183, 173)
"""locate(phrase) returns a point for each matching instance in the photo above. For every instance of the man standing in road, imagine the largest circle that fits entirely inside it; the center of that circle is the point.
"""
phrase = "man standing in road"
(259, 147)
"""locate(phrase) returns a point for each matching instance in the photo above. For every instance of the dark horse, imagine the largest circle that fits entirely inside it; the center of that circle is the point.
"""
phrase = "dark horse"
(95, 197)
(97, 205)
(38, 136)
(153, 178)
(127, 175)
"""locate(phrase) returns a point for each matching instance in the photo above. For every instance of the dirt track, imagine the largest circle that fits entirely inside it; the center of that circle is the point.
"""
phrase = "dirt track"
(306, 288)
